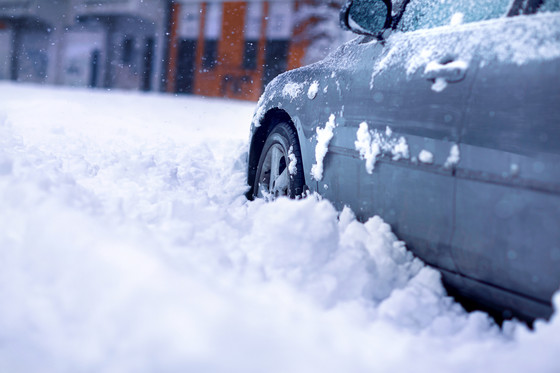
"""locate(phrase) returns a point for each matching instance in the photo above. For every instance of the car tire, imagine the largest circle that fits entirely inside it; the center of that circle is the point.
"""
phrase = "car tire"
(277, 174)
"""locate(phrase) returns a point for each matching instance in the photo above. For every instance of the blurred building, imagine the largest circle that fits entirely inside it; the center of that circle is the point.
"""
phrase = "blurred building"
(29, 39)
(115, 44)
(211, 48)
(230, 48)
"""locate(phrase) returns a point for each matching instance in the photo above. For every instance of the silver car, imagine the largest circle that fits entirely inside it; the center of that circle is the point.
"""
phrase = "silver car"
(443, 118)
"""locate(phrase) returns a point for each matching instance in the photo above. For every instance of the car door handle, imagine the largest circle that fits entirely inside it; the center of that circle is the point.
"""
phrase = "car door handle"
(451, 72)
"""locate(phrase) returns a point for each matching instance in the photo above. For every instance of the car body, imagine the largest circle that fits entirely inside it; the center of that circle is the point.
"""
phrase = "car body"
(445, 122)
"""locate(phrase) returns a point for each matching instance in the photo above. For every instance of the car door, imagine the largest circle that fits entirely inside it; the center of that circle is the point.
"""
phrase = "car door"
(413, 97)
(508, 179)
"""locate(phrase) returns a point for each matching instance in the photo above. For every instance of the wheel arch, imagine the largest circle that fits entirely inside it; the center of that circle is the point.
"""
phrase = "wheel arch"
(271, 119)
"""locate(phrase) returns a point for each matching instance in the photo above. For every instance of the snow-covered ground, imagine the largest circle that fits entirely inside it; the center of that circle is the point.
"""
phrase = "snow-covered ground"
(126, 245)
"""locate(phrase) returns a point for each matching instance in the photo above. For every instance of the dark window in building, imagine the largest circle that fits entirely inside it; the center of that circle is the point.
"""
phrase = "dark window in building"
(185, 66)
(253, 30)
(147, 64)
(276, 59)
(94, 68)
(210, 57)
(250, 54)
(127, 51)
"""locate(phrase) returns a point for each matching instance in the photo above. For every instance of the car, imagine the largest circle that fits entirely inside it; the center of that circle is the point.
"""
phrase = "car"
(443, 118)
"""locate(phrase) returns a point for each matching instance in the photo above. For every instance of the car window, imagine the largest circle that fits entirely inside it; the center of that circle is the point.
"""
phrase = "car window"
(425, 14)
(550, 6)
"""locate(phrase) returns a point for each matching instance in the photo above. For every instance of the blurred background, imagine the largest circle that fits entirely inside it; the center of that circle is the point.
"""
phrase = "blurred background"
(210, 48)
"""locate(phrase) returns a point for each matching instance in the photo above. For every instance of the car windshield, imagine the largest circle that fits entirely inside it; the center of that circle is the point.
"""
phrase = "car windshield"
(425, 14)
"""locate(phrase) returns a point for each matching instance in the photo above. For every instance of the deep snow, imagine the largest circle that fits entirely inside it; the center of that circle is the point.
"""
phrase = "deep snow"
(126, 245)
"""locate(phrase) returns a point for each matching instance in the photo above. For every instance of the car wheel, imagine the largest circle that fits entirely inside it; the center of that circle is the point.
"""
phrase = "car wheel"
(280, 169)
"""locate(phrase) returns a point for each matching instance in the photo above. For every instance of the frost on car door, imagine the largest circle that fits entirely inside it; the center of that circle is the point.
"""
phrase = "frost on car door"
(508, 179)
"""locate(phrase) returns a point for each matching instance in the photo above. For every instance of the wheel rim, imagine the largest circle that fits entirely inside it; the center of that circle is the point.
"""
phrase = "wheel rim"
(275, 179)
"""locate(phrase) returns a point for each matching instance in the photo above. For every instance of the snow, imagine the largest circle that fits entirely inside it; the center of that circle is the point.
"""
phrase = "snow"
(425, 156)
(517, 40)
(388, 131)
(454, 156)
(436, 68)
(259, 115)
(292, 165)
(432, 13)
(399, 149)
(444, 73)
(535, 38)
(127, 246)
(292, 90)
(372, 144)
(313, 90)
(456, 19)
(368, 150)
(324, 136)
(439, 84)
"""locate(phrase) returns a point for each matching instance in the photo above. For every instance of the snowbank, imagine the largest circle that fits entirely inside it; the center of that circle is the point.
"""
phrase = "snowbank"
(127, 245)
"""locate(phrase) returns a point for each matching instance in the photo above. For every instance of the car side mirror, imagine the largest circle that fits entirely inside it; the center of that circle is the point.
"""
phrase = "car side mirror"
(366, 17)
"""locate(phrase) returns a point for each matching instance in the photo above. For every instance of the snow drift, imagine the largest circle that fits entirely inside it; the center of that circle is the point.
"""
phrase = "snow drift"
(127, 245)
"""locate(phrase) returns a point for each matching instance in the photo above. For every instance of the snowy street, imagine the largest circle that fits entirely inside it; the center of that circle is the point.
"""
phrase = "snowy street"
(127, 245)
